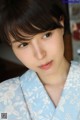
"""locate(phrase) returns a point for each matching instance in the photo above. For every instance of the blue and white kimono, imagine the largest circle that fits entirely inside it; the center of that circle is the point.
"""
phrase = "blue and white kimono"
(25, 98)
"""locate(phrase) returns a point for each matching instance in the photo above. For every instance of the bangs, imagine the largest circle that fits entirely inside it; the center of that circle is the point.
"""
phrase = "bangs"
(26, 30)
(22, 23)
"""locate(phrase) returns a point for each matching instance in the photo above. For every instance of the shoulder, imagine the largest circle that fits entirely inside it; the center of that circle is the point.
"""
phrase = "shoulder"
(15, 82)
(9, 83)
(75, 67)
(74, 74)
(12, 100)
(8, 90)
(29, 75)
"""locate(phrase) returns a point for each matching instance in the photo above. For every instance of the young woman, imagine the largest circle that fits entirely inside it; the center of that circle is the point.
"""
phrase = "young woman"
(49, 90)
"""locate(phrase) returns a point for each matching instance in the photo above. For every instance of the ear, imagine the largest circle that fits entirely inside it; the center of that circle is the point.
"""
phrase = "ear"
(62, 23)
(62, 20)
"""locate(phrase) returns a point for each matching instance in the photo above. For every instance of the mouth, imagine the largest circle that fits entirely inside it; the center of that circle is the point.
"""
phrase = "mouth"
(46, 66)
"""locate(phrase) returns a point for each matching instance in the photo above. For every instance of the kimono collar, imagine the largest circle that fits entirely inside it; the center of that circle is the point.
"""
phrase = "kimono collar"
(39, 103)
(36, 97)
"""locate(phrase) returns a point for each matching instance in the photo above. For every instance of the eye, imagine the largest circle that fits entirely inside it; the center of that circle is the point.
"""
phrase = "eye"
(23, 44)
(47, 35)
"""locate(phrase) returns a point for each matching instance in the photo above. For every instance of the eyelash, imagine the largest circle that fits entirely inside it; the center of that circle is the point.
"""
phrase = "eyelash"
(47, 35)
(22, 45)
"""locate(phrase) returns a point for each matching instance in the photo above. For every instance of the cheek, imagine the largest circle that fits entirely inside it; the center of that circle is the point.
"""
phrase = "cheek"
(26, 58)
(56, 45)
(23, 56)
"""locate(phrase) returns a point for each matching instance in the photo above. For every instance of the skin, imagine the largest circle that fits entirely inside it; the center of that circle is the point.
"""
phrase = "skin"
(41, 49)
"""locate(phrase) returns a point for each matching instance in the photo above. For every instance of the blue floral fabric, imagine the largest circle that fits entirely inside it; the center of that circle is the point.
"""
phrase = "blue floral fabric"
(25, 98)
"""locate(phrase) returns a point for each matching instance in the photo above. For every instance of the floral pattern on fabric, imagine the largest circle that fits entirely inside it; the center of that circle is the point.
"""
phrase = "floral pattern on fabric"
(25, 98)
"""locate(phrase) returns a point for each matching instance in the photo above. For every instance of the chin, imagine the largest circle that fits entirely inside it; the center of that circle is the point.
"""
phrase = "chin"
(49, 72)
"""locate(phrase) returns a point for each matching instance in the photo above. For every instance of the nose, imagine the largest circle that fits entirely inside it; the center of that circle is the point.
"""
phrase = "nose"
(38, 50)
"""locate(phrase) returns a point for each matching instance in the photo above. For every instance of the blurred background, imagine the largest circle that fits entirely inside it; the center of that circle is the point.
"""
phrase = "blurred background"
(10, 66)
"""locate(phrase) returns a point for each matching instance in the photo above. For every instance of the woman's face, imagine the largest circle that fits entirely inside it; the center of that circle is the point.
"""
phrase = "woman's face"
(44, 53)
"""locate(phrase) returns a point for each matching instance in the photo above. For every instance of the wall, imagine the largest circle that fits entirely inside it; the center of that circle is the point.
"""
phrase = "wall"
(7, 53)
(74, 11)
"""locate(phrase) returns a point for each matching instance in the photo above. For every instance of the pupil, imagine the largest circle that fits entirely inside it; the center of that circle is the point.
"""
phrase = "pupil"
(48, 34)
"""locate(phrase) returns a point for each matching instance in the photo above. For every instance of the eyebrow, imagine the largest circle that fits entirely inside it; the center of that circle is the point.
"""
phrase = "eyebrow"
(15, 41)
(27, 41)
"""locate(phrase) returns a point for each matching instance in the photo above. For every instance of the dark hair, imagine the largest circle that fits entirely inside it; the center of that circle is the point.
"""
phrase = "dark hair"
(28, 16)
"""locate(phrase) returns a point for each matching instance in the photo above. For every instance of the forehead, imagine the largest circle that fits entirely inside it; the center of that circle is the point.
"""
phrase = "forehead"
(26, 37)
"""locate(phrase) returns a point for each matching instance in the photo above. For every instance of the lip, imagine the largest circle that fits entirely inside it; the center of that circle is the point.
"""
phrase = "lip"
(46, 66)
